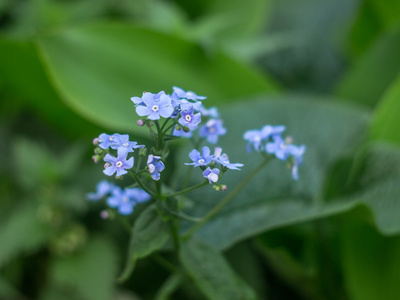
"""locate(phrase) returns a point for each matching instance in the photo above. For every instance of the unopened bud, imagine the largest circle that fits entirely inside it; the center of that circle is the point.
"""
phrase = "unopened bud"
(223, 187)
(216, 187)
(178, 127)
(186, 129)
(98, 150)
(119, 177)
(289, 140)
(106, 165)
(143, 152)
(96, 158)
(96, 141)
(104, 214)
(149, 124)
(140, 122)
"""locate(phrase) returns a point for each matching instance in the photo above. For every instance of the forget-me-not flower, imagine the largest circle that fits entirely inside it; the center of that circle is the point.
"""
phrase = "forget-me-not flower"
(211, 175)
(212, 130)
(155, 107)
(187, 95)
(155, 166)
(189, 118)
(297, 154)
(103, 188)
(125, 200)
(122, 140)
(119, 164)
(280, 148)
(223, 159)
(202, 159)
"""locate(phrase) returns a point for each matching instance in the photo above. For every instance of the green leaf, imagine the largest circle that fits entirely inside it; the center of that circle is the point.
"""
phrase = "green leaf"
(212, 274)
(149, 234)
(7, 291)
(89, 273)
(372, 74)
(370, 262)
(273, 199)
(35, 89)
(22, 232)
(169, 287)
(386, 121)
(98, 68)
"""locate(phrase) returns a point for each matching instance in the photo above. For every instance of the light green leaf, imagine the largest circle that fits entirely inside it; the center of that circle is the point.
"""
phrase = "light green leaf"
(149, 234)
(372, 73)
(212, 274)
(386, 121)
(89, 273)
(98, 68)
(273, 199)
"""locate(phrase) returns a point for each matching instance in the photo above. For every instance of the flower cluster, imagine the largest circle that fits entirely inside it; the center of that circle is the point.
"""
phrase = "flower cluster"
(124, 200)
(206, 161)
(185, 108)
(268, 139)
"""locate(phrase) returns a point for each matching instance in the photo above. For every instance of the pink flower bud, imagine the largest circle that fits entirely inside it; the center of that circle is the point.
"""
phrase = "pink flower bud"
(140, 122)
(104, 214)
(96, 141)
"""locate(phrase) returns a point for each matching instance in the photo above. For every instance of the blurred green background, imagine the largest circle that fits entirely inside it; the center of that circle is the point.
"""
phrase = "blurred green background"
(327, 69)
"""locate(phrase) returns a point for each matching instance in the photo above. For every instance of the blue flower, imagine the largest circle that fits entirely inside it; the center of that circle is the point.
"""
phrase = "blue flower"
(202, 159)
(122, 140)
(223, 159)
(189, 119)
(103, 188)
(155, 166)
(212, 130)
(280, 148)
(154, 107)
(187, 95)
(182, 133)
(125, 200)
(256, 137)
(146, 97)
(211, 175)
(297, 154)
(119, 164)
(210, 112)
(105, 140)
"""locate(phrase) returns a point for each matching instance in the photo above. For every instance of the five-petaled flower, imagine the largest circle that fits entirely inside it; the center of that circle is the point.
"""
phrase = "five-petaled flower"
(212, 130)
(189, 118)
(125, 200)
(202, 159)
(118, 164)
(155, 107)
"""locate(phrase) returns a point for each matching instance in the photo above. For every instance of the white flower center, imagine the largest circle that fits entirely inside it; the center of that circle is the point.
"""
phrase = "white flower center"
(125, 199)
(201, 161)
(125, 144)
(155, 108)
(188, 118)
(283, 146)
(111, 138)
(211, 129)
(119, 164)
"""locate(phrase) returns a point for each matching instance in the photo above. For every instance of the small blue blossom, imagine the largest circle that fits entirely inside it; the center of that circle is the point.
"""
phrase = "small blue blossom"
(105, 140)
(280, 148)
(212, 130)
(125, 200)
(202, 159)
(256, 137)
(119, 164)
(103, 188)
(187, 95)
(210, 112)
(211, 175)
(297, 154)
(154, 107)
(223, 159)
(181, 132)
(122, 140)
(146, 97)
(155, 166)
(270, 131)
(189, 118)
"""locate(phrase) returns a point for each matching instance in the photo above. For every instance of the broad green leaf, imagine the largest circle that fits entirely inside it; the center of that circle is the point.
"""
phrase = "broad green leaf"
(373, 72)
(7, 291)
(386, 121)
(89, 273)
(149, 234)
(35, 89)
(212, 274)
(21, 232)
(370, 262)
(273, 199)
(98, 68)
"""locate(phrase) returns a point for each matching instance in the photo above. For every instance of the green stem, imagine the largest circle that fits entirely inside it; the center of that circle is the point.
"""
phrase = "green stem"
(226, 199)
(166, 264)
(169, 127)
(187, 189)
(137, 179)
(159, 136)
(175, 236)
